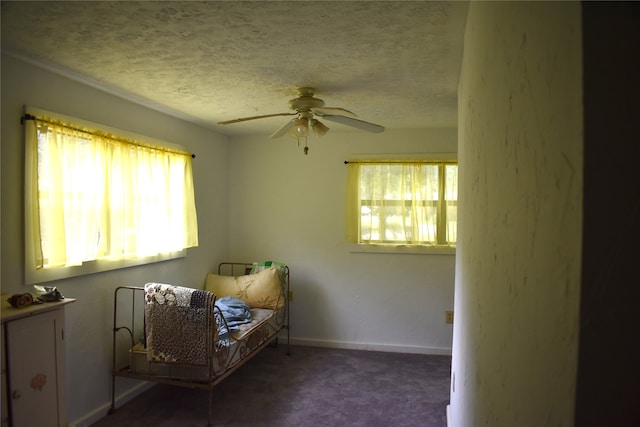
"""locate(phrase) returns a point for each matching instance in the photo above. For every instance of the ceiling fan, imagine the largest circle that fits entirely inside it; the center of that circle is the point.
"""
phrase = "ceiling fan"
(306, 108)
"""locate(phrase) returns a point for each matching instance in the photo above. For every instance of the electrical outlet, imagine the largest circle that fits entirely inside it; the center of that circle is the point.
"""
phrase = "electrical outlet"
(448, 316)
(290, 296)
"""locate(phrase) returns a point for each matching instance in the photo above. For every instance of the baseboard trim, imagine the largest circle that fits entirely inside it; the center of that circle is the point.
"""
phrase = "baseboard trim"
(101, 411)
(391, 348)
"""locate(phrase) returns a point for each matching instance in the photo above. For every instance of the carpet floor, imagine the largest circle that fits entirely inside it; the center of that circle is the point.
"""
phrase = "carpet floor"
(317, 387)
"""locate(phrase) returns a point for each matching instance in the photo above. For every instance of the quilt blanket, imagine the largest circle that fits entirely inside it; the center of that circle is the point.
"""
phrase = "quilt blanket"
(178, 322)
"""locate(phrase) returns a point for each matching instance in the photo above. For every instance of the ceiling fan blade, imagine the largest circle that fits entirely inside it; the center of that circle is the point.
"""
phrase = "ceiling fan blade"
(283, 129)
(332, 111)
(228, 122)
(360, 124)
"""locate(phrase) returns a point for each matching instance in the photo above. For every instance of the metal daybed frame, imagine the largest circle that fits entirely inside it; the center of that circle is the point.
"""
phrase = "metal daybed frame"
(224, 356)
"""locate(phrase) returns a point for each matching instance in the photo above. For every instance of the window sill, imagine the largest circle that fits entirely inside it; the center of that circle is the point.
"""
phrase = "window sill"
(37, 276)
(391, 249)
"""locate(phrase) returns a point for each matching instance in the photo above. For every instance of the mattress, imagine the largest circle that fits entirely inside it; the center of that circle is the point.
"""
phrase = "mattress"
(264, 325)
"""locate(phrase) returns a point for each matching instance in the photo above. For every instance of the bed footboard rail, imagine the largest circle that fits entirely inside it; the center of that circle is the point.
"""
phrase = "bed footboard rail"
(224, 354)
(129, 326)
(129, 347)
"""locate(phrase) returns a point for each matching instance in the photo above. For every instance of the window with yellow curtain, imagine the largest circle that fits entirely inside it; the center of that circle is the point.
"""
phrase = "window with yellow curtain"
(96, 196)
(408, 203)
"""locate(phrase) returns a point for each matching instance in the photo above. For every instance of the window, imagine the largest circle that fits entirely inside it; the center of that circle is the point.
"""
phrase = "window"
(402, 203)
(93, 196)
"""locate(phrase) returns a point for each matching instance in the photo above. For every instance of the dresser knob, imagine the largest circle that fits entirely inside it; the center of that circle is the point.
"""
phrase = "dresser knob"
(16, 394)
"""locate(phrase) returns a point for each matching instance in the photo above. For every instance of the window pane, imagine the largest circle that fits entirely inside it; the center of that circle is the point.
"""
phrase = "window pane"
(401, 203)
(451, 198)
(99, 198)
(394, 221)
(451, 182)
(429, 183)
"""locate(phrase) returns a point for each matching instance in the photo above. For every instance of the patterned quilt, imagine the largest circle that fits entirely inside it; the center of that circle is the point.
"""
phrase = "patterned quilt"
(178, 322)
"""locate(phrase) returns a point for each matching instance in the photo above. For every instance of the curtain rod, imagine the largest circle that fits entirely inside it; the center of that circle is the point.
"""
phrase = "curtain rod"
(78, 129)
(358, 162)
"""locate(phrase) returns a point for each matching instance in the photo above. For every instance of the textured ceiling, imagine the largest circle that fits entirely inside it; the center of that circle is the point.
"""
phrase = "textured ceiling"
(392, 63)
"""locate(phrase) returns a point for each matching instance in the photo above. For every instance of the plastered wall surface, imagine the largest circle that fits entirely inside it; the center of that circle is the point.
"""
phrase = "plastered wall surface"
(89, 319)
(256, 199)
(518, 262)
(291, 207)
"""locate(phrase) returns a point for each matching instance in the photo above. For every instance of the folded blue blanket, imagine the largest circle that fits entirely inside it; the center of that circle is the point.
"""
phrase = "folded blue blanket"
(235, 311)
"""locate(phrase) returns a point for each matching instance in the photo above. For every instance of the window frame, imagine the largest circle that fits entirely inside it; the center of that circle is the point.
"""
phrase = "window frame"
(359, 246)
(34, 275)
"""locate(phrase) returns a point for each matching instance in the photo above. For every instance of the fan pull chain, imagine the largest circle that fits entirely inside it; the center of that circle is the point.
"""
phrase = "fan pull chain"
(306, 147)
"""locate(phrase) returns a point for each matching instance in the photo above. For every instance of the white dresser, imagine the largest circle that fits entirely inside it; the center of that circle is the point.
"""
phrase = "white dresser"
(33, 365)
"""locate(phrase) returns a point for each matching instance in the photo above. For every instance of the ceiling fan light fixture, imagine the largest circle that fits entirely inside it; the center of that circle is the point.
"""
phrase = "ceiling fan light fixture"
(300, 129)
(306, 107)
(319, 129)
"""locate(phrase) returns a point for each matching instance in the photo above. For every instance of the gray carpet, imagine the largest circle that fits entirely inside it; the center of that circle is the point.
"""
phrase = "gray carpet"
(311, 387)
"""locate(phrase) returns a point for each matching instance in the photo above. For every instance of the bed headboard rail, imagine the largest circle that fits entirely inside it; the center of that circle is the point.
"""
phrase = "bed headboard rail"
(234, 268)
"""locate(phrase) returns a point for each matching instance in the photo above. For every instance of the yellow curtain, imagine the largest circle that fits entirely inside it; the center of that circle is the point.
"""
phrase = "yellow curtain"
(353, 203)
(101, 197)
(451, 198)
(398, 202)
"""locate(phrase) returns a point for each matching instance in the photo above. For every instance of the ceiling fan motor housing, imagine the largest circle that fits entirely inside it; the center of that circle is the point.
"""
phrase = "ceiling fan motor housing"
(306, 106)
(306, 101)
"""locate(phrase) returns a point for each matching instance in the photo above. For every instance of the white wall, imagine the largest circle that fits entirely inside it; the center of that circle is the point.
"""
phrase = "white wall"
(256, 200)
(289, 207)
(520, 216)
(88, 320)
